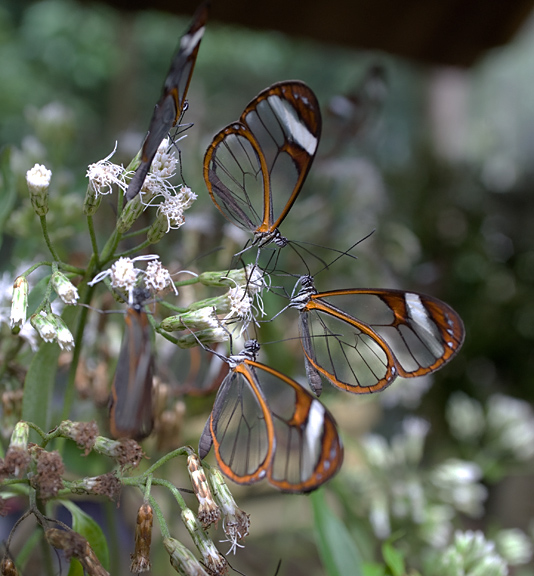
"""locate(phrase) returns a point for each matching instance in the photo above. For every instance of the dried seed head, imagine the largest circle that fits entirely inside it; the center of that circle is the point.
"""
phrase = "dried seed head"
(126, 452)
(83, 433)
(50, 468)
(76, 546)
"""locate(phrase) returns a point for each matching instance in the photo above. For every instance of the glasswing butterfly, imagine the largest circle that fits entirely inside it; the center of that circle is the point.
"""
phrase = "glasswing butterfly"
(131, 403)
(255, 168)
(362, 339)
(170, 106)
(266, 425)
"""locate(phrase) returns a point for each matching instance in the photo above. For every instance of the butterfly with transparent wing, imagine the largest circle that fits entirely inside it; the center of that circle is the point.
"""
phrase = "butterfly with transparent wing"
(361, 340)
(172, 103)
(266, 425)
(255, 168)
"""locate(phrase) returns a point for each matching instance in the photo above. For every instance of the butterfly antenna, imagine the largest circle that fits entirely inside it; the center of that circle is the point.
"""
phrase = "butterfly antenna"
(345, 252)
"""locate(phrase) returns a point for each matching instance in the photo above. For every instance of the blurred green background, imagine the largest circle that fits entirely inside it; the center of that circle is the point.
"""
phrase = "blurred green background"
(437, 161)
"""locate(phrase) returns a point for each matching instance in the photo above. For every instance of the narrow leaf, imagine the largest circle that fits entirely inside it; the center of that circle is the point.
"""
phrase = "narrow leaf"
(394, 559)
(90, 530)
(8, 192)
(39, 387)
(338, 552)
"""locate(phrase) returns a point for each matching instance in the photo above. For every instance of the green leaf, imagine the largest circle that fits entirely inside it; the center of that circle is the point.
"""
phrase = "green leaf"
(394, 559)
(8, 192)
(338, 552)
(39, 386)
(374, 569)
(75, 568)
(90, 530)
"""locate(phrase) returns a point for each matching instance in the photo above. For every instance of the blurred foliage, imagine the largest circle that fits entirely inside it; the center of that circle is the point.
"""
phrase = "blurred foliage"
(454, 222)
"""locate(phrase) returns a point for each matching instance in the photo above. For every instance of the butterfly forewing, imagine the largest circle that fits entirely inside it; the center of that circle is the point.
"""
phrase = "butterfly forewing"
(308, 448)
(255, 168)
(361, 340)
(241, 428)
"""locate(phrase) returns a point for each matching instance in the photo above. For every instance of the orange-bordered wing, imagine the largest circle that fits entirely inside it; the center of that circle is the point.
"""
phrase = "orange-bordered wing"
(255, 168)
(171, 104)
(361, 340)
(265, 425)
(131, 412)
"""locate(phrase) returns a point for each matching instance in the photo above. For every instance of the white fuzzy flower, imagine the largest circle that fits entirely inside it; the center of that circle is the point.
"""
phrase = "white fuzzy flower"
(158, 278)
(164, 162)
(38, 178)
(103, 174)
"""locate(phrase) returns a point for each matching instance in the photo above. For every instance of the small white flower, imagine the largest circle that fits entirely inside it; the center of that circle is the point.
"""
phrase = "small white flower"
(64, 288)
(38, 178)
(171, 208)
(514, 546)
(19, 302)
(103, 174)
(123, 274)
(65, 338)
(186, 197)
(44, 326)
(465, 417)
(158, 278)
(164, 163)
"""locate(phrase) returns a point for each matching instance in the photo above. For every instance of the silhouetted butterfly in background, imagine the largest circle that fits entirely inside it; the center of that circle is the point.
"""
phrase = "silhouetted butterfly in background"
(170, 106)
(266, 425)
(255, 168)
(131, 406)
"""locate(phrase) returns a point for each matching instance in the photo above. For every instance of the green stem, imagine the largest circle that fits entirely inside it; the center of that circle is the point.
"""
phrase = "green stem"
(159, 515)
(138, 248)
(71, 380)
(44, 228)
(174, 491)
(94, 244)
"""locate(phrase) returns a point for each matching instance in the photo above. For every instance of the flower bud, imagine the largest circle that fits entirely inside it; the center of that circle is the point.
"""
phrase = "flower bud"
(45, 326)
(38, 180)
(92, 200)
(143, 538)
(7, 567)
(19, 303)
(65, 338)
(64, 288)
(211, 336)
(202, 319)
(208, 511)
(159, 228)
(214, 561)
(182, 559)
(236, 523)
